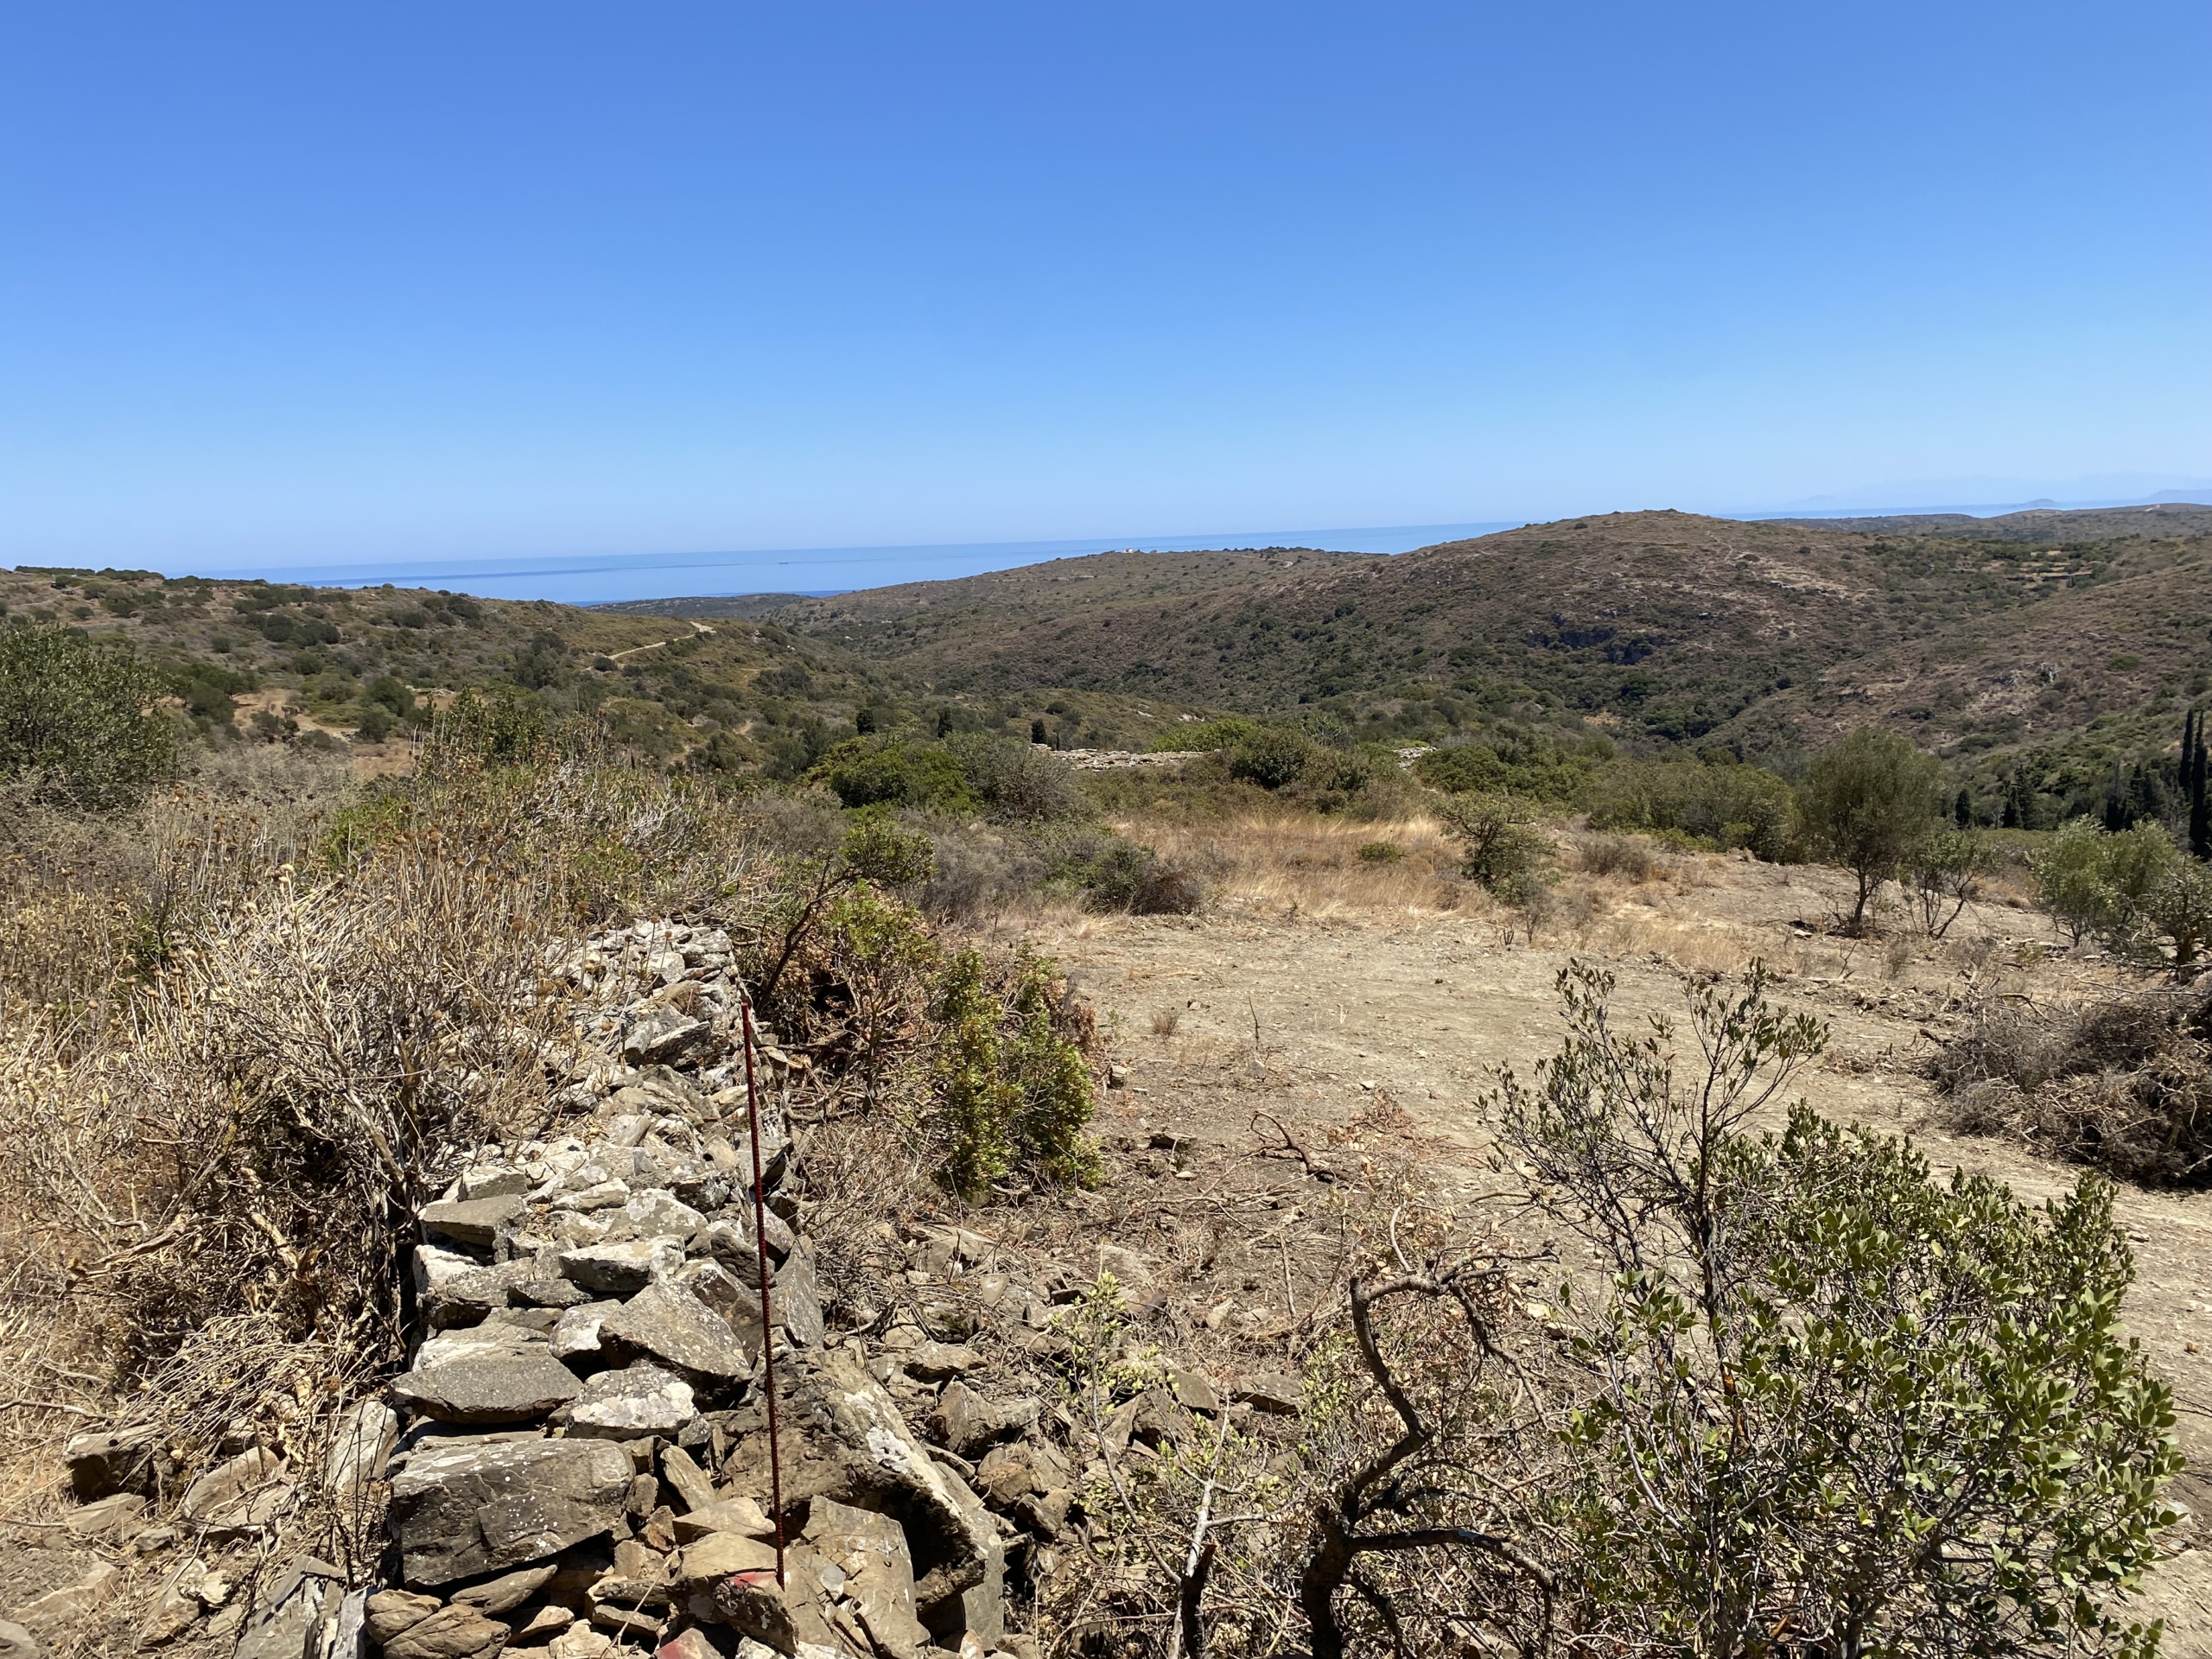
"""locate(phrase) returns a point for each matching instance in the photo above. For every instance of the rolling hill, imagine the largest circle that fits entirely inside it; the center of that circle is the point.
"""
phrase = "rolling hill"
(2050, 641)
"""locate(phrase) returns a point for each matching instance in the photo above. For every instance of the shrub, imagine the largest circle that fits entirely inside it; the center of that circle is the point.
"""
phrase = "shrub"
(1125, 876)
(1016, 783)
(1824, 1394)
(1381, 852)
(78, 724)
(1944, 873)
(2132, 889)
(1271, 757)
(1629, 856)
(1498, 850)
(1203, 736)
(1867, 801)
(1011, 1089)
(894, 772)
(1508, 762)
(2125, 1083)
(1720, 806)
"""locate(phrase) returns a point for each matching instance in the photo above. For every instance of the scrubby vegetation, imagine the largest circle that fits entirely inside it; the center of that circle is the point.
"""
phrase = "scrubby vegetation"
(1732, 1378)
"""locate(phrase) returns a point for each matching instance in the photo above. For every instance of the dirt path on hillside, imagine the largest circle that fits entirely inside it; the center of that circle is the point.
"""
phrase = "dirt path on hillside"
(1255, 1008)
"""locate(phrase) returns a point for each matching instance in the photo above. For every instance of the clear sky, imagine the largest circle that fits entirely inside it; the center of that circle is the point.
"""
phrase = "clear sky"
(287, 285)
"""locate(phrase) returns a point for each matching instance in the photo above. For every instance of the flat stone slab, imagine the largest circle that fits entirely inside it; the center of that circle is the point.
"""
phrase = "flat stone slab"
(669, 1324)
(471, 1221)
(624, 1268)
(466, 1510)
(629, 1404)
(489, 1390)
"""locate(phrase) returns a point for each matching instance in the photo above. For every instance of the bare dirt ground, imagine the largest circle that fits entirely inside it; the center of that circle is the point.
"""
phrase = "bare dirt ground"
(1319, 983)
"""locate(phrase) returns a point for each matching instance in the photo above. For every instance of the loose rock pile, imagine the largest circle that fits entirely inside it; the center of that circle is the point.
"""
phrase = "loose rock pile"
(577, 1459)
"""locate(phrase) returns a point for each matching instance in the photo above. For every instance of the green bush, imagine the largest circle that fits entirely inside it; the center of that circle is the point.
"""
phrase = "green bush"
(1498, 850)
(1825, 1394)
(1204, 736)
(1010, 1088)
(1016, 783)
(884, 771)
(1717, 806)
(1272, 757)
(1509, 763)
(77, 721)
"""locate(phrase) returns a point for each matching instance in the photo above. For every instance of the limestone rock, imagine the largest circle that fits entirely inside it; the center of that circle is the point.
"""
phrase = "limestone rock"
(968, 1425)
(682, 1472)
(121, 1516)
(669, 1324)
(455, 1632)
(871, 1551)
(846, 1440)
(284, 1622)
(1193, 1392)
(795, 1303)
(491, 1390)
(740, 1515)
(576, 1336)
(623, 1268)
(391, 1611)
(56, 1610)
(505, 1592)
(466, 1297)
(718, 1554)
(471, 1221)
(1265, 1391)
(221, 1488)
(629, 1404)
(358, 1449)
(658, 1211)
(467, 1509)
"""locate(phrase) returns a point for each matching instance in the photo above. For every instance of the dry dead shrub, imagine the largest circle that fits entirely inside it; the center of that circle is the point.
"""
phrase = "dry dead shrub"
(247, 1131)
(2124, 1084)
(1632, 858)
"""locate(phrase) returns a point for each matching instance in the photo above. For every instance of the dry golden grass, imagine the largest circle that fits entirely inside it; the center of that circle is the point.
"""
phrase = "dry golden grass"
(1311, 864)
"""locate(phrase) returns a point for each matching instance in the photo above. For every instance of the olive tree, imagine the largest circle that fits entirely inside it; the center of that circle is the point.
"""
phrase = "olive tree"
(1866, 801)
(78, 721)
(1827, 1405)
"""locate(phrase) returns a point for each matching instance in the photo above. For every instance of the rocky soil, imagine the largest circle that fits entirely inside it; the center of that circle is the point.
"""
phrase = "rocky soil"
(578, 1459)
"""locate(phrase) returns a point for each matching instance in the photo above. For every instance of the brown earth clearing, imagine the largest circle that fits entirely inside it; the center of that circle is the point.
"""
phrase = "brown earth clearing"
(1322, 986)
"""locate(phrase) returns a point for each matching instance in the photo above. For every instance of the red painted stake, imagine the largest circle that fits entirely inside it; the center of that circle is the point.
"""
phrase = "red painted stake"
(760, 1250)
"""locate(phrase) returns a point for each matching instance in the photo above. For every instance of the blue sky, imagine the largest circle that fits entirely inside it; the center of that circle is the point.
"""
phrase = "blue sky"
(286, 286)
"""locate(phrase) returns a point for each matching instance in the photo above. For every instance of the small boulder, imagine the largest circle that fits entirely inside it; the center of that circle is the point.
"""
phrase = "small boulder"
(501, 1391)
(669, 1324)
(629, 1404)
(507, 1592)
(120, 1460)
(576, 1335)
(796, 1301)
(453, 1632)
(740, 1515)
(1285, 1397)
(624, 1268)
(462, 1510)
(471, 1221)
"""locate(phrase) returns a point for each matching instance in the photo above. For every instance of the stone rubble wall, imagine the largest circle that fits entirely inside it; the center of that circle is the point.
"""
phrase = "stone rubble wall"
(576, 1460)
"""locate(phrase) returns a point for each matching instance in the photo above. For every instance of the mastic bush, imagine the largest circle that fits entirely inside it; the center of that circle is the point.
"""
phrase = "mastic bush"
(78, 726)
(1011, 1089)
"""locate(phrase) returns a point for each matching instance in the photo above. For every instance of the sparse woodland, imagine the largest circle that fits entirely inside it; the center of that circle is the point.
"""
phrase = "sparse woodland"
(328, 1099)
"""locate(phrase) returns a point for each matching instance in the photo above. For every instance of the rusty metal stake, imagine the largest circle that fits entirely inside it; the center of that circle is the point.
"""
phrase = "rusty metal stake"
(761, 1251)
